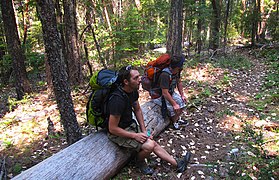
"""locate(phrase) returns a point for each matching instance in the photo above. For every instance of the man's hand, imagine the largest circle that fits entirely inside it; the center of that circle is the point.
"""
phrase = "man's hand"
(176, 108)
(184, 98)
(141, 137)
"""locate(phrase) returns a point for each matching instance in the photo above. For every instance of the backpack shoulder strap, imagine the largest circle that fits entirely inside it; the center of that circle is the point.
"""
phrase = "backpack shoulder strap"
(167, 70)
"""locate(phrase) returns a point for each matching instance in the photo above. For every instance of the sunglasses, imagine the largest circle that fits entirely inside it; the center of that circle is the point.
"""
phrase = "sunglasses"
(129, 67)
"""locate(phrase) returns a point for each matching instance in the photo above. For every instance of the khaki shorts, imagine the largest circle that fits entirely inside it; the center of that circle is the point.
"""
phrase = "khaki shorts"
(127, 142)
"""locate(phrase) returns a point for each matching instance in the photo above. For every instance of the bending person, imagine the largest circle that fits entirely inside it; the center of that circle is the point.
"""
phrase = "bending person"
(172, 102)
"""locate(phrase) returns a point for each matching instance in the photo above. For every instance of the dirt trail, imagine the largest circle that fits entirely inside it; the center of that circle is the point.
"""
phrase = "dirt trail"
(218, 106)
(213, 125)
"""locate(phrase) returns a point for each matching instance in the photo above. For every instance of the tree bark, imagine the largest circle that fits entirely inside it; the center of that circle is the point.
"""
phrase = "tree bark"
(48, 77)
(215, 35)
(200, 26)
(137, 2)
(71, 42)
(60, 25)
(53, 49)
(5, 71)
(106, 15)
(22, 84)
(226, 22)
(90, 19)
(174, 39)
(25, 16)
(254, 23)
(243, 5)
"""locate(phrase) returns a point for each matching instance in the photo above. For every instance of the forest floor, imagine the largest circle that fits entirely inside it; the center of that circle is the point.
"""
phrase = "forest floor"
(226, 110)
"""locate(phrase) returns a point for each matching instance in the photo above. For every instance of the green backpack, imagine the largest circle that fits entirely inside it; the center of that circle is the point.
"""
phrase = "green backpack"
(102, 82)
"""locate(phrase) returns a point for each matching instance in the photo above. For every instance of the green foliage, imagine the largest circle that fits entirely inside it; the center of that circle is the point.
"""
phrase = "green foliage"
(234, 61)
(192, 62)
(7, 143)
(271, 55)
(17, 168)
(5, 65)
(272, 80)
(13, 102)
(41, 83)
(206, 92)
(273, 25)
(253, 161)
(232, 32)
(262, 100)
(35, 61)
(224, 82)
(57, 136)
(225, 112)
(8, 122)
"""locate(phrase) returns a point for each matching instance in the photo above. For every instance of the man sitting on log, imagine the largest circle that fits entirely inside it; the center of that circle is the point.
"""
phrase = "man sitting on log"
(170, 101)
(129, 133)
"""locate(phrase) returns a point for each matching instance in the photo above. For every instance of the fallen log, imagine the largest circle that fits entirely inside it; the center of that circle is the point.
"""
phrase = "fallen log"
(94, 156)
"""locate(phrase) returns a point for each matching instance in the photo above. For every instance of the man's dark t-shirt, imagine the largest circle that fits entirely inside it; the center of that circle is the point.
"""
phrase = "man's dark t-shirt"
(168, 81)
(120, 103)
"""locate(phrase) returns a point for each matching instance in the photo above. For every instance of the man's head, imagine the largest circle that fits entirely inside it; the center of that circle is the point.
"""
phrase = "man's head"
(177, 63)
(129, 77)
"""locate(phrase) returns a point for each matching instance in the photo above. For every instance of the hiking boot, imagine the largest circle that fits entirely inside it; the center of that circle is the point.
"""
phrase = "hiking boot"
(183, 122)
(183, 162)
(176, 126)
(144, 168)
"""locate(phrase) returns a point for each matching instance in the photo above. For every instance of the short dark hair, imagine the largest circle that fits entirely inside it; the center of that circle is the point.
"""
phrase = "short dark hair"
(177, 61)
(124, 73)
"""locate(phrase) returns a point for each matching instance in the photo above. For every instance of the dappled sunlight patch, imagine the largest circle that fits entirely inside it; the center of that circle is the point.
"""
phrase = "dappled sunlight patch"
(231, 123)
(24, 132)
(236, 120)
(203, 73)
(191, 93)
(28, 123)
(241, 98)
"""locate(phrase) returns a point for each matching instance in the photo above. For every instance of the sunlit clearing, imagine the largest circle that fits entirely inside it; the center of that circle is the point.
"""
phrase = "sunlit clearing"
(203, 73)
(28, 123)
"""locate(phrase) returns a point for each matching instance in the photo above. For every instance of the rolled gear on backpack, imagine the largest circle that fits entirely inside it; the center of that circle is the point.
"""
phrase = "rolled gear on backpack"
(155, 66)
(152, 71)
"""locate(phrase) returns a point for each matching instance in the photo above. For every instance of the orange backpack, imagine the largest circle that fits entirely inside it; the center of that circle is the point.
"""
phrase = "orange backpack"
(153, 67)
(151, 74)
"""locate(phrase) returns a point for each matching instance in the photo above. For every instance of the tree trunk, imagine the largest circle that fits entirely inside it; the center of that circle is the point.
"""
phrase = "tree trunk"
(226, 23)
(60, 25)
(106, 15)
(48, 77)
(215, 25)
(5, 71)
(174, 39)
(254, 23)
(71, 42)
(199, 26)
(90, 19)
(265, 18)
(22, 84)
(243, 5)
(25, 16)
(137, 2)
(53, 49)
(108, 53)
